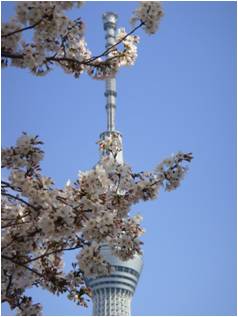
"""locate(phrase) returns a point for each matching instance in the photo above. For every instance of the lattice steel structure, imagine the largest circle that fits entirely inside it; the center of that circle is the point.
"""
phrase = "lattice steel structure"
(112, 294)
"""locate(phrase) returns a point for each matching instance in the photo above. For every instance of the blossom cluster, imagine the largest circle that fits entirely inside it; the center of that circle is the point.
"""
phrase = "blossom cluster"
(58, 40)
(54, 35)
(110, 144)
(10, 43)
(115, 58)
(126, 243)
(172, 171)
(92, 262)
(29, 309)
(40, 223)
(24, 155)
(36, 229)
(129, 54)
(149, 13)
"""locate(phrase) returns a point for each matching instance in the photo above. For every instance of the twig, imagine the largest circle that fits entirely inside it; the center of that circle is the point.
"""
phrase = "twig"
(20, 199)
(52, 252)
(6, 184)
(114, 45)
(14, 224)
(24, 29)
(9, 284)
(72, 60)
(118, 184)
(21, 264)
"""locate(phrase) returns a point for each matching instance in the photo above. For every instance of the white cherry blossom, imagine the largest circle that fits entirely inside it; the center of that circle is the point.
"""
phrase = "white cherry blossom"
(40, 222)
(58, 40)
(92, 262)
(149, 13)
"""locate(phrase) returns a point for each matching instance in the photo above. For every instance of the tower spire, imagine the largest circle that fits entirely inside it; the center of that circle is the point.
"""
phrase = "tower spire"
(113, 293)
(109, 21)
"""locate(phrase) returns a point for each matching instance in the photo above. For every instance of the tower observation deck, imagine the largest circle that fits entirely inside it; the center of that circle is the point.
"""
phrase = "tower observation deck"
(112, 294)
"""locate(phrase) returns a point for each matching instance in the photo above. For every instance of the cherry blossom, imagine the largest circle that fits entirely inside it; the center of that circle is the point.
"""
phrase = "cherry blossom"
(149, 14)
(58, 40)
(29, 309)
(40, 222)
(92, 262)
(110, 144)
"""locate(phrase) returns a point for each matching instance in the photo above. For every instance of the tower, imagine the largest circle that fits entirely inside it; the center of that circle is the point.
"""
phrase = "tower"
(112, 294)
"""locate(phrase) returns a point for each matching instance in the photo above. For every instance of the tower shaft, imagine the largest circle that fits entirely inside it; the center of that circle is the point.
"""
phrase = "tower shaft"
(112, 302)
(109, 20)
(109, 23)
(113, 293)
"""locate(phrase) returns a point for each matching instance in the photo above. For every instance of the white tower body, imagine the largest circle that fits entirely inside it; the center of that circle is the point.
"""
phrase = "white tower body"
(109, 21)
(112, 294)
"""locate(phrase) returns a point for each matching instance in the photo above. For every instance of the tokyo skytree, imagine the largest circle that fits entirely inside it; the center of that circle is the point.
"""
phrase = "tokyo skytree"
(112, 294)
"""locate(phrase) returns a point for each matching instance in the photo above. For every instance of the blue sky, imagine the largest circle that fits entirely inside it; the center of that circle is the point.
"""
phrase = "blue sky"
(180, 95)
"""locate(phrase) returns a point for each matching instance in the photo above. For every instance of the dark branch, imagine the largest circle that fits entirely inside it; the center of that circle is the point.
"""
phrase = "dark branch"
(52, 252)
(14, 224)
(6, 184)
(24, 29)
(88, 62)
(114, 45)
(20, 199)
(9, 284)
(21, 264)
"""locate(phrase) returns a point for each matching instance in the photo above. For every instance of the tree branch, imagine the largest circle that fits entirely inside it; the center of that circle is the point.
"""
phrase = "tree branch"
(6, 246)
(52, 252)
(24, 29)
(21, 264)
(109, 49)
(118, 183)
(88, 62)
(6, 184)
(9, 284)
(14, 224)
(20, 199)
(18, 217)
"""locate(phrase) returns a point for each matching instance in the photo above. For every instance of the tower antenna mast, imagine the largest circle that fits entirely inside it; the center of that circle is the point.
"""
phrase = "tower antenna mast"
(109, 22)
(113, 293)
